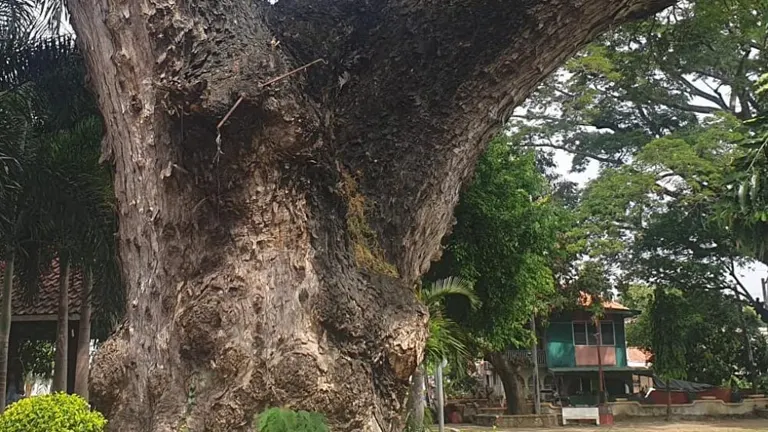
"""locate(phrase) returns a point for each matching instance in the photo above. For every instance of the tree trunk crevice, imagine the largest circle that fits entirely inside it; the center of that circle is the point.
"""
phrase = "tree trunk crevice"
(272, 261)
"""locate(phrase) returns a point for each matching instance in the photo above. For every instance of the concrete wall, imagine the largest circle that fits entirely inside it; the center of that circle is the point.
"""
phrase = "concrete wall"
(699, 408)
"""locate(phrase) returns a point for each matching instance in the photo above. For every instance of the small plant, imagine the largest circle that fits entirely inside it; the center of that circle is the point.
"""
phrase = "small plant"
(51, 413)
(285, 420)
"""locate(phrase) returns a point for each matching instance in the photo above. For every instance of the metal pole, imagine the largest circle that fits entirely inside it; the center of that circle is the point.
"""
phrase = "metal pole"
(440, 397)
(535, 358)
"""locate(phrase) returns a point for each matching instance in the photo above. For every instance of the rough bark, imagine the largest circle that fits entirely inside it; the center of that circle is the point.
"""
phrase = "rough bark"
(5, 325)
(512, 382)
(60, 365)
(415, 406)
(280, 270)
(82, 365)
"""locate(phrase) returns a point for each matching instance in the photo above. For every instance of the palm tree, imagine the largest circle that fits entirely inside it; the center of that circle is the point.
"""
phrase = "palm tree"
(75, 211)
(21, 224)
(446, 340)
(84, 227)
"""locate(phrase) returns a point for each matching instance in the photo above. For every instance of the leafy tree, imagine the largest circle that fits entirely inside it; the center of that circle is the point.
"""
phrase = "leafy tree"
(69, 192)
(667, 322)
(645, 80)
(506, 227)
(658, 105)
(717, 335)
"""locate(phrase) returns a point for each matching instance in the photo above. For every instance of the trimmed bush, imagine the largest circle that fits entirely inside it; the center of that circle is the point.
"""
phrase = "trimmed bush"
(51, 413)
(285, 420)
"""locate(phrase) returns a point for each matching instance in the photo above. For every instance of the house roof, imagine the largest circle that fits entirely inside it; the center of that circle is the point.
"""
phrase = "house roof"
(586, 300)
(44, 306)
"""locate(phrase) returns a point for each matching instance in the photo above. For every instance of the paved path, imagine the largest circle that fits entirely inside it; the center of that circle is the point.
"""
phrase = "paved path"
(750, 425)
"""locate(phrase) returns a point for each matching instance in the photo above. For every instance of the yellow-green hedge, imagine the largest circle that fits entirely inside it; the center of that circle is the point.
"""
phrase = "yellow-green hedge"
(51, 413)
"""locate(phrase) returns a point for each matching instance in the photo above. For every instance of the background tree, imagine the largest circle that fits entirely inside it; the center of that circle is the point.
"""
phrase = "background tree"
(506, 225)
(75, 211)
(714, 335)
(667, 322)
(660, 117)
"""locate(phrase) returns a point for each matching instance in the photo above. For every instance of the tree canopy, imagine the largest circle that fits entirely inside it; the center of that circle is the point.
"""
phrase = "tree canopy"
(505, 233)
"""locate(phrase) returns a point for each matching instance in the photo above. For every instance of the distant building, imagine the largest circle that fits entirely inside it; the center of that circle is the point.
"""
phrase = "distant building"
(571, 351)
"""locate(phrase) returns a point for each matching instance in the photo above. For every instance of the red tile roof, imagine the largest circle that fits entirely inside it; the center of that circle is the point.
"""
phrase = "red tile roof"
(47, 300)
(586, 300)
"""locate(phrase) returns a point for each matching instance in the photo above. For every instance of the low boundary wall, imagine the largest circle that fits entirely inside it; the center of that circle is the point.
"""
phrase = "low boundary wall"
(698, 408)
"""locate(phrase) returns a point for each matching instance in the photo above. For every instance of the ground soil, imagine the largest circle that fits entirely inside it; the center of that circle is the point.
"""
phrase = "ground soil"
(693, 426)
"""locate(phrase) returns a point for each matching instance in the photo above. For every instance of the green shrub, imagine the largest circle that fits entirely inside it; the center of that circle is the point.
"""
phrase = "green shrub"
(285, 420)
(51, 413)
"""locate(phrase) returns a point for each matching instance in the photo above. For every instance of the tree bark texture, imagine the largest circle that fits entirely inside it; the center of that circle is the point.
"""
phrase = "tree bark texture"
(82, 365)
(60, 366)
(512, 382)
(279, 271)
(5, 325)
(415, 406)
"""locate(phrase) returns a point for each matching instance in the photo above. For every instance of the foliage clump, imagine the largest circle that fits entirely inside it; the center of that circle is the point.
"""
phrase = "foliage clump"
(286, 420)
(52, 413)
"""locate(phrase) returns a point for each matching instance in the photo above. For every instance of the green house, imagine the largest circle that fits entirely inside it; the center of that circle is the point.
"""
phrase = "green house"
(577, 349)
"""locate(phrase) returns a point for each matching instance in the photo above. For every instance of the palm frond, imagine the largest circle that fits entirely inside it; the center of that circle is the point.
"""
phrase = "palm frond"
(435, 293)
(16, 17)
(30, 19)
(444, 341)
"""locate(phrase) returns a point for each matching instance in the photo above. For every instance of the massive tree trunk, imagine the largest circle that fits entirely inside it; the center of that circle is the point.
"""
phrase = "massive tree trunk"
(279, 270)
(6, 312)
(512, 381)
(82, 365)
(60, 366)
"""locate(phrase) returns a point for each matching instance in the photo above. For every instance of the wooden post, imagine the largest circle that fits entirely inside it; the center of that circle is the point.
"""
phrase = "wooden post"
(600, 362)
(669, 401)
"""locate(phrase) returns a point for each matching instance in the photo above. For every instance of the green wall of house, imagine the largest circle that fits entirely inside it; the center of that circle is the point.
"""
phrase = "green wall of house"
(561, 352)
(621, 344)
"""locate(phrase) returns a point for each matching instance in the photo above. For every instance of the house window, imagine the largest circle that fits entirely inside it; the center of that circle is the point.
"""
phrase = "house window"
(585, 333)
(606, 331)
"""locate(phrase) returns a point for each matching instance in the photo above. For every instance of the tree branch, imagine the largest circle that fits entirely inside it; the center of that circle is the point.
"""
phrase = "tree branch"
(697, 91)
(603, 159)
(700, 109)
(744, 292)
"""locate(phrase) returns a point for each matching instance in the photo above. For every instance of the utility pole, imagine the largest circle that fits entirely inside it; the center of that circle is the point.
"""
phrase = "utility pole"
(535, 358)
